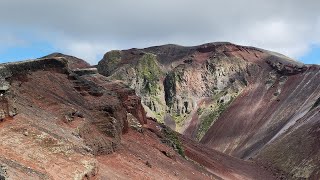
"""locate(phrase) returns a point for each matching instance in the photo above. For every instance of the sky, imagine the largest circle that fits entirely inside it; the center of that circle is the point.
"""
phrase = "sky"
(88, 29)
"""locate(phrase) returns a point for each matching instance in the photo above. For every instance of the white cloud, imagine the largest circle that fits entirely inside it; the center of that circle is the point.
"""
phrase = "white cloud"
(87, 51)
(281, 36)
(8, 40)
(89, 29)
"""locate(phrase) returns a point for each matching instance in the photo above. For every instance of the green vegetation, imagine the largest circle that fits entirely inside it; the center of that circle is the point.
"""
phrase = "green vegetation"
(211, 114)
(172, 139)
(150, 72)
(170, 85)
(179, 119)
(178, 74)
(159, 113)
(199, 111)
(159, 116)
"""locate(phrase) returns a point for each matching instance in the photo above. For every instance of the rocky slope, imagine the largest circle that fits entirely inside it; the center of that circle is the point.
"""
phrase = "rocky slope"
(60, 119)
(174, 81)
(243, 101)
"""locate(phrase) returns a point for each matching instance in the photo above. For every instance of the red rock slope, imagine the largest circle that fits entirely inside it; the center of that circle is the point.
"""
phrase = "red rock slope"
(64, 123)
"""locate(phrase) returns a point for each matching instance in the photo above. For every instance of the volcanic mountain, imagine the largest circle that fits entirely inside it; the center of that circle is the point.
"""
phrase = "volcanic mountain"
(214, 111)
(246, 102)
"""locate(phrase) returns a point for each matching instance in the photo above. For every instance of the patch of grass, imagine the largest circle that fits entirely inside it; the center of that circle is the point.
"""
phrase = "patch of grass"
(179, 119)
(172, 139)
(208, 119)
(199, 111)
(159, 116)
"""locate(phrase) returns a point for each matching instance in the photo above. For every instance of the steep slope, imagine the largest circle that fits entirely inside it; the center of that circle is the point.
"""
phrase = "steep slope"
(268, 117)
(173, 81)
(60, 121)
(242, 101)
(296, 151)
(265, 110)
(179, 85)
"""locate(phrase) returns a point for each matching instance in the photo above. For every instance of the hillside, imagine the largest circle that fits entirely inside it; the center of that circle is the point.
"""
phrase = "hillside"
(60, 119)
(246, 102)
(213, 111)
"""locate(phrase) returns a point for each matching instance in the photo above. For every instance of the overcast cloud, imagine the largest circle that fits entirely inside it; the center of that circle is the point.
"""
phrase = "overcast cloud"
(90, 28)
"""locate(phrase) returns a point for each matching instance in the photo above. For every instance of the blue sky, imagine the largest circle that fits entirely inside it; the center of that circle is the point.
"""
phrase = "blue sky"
(35, 28)
(23, 52)
(311, 57)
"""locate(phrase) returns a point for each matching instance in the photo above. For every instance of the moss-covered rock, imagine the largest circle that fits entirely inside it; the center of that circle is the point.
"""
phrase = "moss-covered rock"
(170, 88)
(149, 70)
(171, 138)
(110, 62)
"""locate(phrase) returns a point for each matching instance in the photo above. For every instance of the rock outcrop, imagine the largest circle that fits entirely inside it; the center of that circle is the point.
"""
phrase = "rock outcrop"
(50, 110)
(172, 80)
(179, 85)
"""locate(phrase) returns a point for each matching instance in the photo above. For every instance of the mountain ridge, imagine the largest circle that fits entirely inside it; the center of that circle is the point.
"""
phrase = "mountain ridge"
(243, 113)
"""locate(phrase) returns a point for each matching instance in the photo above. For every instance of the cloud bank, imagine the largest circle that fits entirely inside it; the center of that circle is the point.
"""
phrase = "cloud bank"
(90, 28)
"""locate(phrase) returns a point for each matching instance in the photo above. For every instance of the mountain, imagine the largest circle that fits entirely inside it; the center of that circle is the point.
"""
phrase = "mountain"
(60, 119)
(214, 111)
(243, 101)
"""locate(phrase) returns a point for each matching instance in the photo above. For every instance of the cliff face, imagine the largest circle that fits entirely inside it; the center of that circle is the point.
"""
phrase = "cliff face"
(174, 81)
(242, 101)
(179, 85)
(53, 121)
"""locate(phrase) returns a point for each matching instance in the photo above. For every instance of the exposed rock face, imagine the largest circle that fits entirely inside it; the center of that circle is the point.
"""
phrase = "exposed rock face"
(109, 118)
(242, 101)
(179, 85)
(60, 113)
(73, 62)
(172, 80)
(271, 119)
